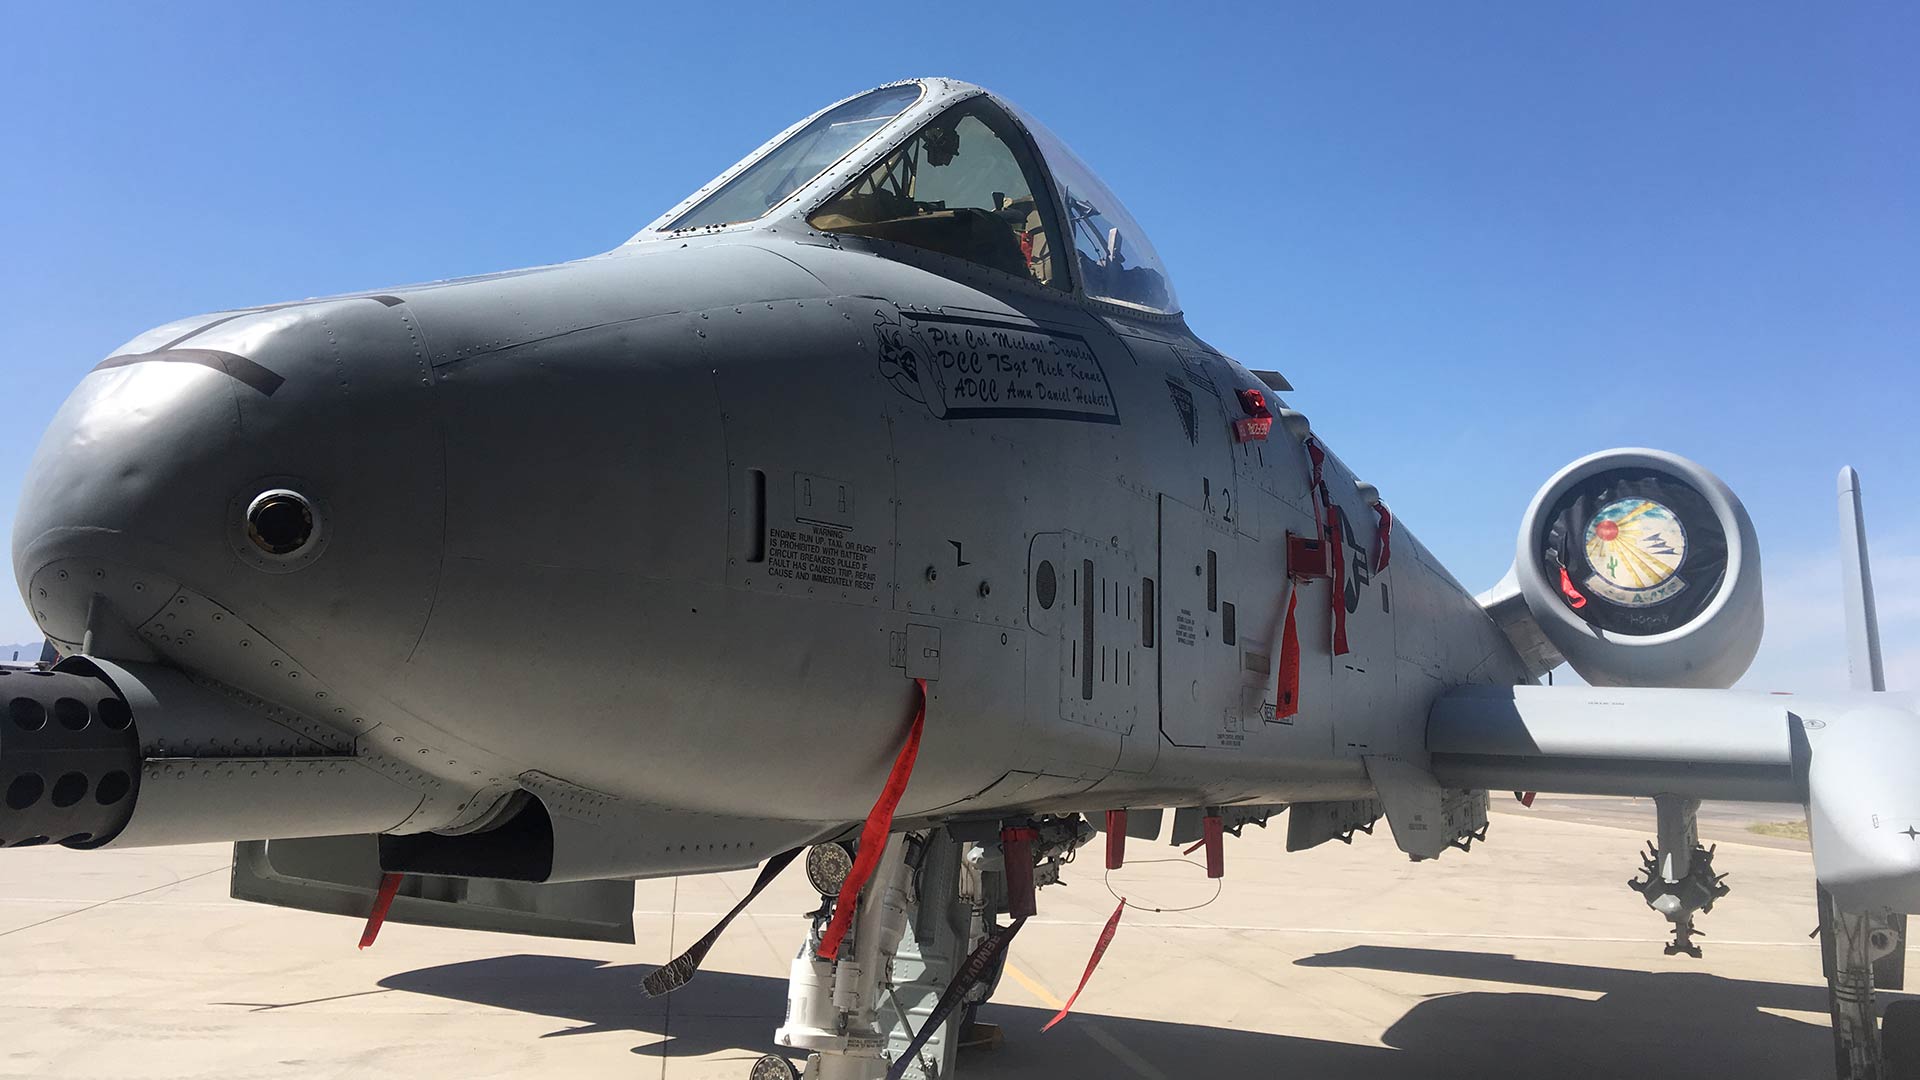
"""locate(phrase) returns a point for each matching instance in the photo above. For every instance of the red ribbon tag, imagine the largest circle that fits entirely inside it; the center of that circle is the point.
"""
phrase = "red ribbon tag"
(1574, 598)
(382, 900)
(1099, 950)
(873, 837)
(1286, 695)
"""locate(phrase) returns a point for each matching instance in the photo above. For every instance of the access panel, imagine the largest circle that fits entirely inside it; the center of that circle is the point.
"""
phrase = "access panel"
(1089, 662)
(1200, 615)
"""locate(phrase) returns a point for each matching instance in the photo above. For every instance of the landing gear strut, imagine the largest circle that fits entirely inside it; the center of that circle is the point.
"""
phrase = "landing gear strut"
(1856, 949)
(926, 939)
(833, 1006)
(913, 926)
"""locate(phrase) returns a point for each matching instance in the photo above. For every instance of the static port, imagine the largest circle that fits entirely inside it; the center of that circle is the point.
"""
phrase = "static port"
(280, 522)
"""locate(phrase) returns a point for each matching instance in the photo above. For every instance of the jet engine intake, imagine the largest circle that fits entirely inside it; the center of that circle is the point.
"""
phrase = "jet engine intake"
(1643, 569)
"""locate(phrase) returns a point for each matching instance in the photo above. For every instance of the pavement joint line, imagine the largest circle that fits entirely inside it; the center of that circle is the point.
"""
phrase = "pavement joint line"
(1140, 1066)
(1359, 931)
(1119, 1050)
(258, 1006)
(226, 902)
(666, 1010)
(115, 899)
(1234, 927)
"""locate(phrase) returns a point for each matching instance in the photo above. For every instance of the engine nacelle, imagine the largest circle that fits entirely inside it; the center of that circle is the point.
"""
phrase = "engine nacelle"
(1642, 569)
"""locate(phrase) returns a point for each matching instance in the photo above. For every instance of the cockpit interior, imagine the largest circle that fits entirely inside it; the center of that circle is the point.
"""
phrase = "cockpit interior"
(962, 185)
(955, 171)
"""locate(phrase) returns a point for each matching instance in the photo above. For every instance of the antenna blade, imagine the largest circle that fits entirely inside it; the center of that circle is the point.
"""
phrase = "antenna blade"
(1856, 587)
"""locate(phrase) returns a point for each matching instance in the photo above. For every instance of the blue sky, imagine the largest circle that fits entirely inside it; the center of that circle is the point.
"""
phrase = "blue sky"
(1481, 239)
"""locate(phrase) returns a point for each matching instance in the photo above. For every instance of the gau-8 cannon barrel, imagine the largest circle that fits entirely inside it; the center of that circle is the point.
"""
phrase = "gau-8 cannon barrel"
(69, 759)
(94, 753)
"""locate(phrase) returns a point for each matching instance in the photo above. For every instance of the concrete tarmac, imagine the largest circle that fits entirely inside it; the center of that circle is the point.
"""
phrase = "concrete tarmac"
(1526, 957)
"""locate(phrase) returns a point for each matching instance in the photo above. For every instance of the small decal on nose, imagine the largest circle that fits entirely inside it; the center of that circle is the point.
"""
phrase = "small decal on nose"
(233, 364)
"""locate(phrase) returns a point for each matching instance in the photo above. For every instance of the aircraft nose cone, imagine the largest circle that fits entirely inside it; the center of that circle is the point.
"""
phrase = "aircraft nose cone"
(280, 464)
(126, 474)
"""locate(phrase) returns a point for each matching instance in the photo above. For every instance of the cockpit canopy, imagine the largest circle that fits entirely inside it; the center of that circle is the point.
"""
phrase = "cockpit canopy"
(946, 167)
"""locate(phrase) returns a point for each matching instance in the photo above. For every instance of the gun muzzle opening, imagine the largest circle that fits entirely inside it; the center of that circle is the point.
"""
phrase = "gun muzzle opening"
(69, 760)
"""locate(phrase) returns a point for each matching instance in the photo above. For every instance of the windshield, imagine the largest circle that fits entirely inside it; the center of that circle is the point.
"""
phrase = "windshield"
(802, 156)
(1116, 260)
(963, 185)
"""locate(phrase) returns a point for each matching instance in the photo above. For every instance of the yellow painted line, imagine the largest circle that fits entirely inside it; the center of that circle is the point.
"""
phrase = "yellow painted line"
(1033, 986)
(1140, 1066)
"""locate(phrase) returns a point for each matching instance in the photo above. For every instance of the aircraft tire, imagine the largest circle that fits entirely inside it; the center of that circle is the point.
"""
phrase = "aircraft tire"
(773, 1067)
(1900, 1040)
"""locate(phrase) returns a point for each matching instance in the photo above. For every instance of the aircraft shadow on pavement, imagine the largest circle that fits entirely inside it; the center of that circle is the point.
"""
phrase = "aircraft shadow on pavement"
(1671, 1023)
(1643, 1025)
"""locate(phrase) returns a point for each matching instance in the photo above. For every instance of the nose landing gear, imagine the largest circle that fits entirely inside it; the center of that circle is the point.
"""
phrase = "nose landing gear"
(926, 949)
(834, 1006)
(856, 1015)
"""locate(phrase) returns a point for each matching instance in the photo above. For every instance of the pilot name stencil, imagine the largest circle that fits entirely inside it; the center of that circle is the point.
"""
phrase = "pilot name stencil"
(967, 368)
(820, 556)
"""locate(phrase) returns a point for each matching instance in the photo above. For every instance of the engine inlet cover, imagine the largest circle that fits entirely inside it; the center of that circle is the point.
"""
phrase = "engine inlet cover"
(1643, 549)
(1642, 569)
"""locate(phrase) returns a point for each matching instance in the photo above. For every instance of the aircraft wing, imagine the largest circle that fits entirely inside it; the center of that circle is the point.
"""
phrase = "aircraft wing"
(1710, 744)
(1840, 756)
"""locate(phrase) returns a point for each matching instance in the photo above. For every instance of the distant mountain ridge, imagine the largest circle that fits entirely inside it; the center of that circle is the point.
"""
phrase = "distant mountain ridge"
(28, 652)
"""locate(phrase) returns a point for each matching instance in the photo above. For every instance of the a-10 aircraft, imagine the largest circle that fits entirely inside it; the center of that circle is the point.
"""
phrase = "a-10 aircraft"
(875, 502)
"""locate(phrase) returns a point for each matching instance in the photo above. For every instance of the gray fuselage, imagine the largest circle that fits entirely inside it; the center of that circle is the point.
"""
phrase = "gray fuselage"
(615, 521)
